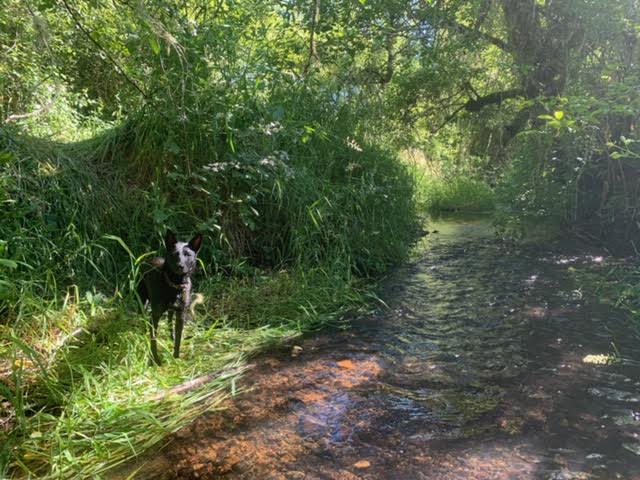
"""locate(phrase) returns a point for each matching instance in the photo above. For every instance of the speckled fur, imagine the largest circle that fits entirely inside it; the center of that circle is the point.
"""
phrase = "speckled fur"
(166, 286)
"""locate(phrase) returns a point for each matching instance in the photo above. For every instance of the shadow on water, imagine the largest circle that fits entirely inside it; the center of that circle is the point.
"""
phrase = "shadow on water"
(476, 371)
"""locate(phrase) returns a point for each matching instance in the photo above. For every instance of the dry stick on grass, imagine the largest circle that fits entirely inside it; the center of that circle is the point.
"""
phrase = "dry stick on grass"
(199, 381)
(38, 111)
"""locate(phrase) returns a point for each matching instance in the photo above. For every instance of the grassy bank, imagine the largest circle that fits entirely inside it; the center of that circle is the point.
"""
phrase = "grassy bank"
(297, 215)
(444, 185)
(618, 285)
(456, 194)
(84, 397)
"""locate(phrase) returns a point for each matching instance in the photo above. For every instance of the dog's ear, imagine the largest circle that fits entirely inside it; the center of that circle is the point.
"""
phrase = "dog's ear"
(196, 242)
(170, 240)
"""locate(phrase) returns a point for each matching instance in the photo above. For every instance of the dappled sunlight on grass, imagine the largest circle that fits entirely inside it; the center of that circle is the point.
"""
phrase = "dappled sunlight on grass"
(84, 397)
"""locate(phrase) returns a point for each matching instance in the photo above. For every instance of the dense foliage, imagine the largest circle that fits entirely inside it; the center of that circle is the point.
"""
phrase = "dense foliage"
(295, 134)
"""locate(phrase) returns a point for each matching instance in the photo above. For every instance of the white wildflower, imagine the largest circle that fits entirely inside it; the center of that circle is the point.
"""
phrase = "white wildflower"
(269, 161)
(352, 166)
(288, 172)
(216, 167)
(353, 145)
(272, 128)
(282, 155)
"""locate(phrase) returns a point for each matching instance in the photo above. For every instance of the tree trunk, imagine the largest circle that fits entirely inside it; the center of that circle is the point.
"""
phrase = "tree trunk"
(313, 47)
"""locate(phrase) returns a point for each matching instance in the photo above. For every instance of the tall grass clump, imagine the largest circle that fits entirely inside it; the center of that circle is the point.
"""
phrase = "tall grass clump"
(456, 194)
(297, 213)
(444, 186)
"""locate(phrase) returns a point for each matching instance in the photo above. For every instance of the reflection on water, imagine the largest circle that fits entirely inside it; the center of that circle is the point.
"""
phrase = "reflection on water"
(475, 372)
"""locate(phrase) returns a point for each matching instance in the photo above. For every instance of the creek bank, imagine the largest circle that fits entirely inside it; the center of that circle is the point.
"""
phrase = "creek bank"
(481, 368)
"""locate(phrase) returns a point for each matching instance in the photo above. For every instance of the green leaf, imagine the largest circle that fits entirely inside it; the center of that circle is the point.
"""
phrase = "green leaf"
(278, 112)
(115, 238)
(155, 45)
(173, 147)
(5, 262)
(6, 157)
(160, 216)
(558, 114)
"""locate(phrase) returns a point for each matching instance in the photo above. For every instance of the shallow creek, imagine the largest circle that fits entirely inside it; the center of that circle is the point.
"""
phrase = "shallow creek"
(476, 371)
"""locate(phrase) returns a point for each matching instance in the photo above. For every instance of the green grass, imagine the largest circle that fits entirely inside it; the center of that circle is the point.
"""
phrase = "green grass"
(459, 193)
(83, 406)
(618, 286)
(296, 220)
(446, 182)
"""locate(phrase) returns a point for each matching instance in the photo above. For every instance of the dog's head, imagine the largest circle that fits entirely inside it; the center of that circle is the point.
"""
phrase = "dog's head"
(181, 256)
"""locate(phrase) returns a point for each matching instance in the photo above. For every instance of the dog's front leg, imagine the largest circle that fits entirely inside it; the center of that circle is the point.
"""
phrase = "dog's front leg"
(156, 313)
(170, 315)
(181, 318)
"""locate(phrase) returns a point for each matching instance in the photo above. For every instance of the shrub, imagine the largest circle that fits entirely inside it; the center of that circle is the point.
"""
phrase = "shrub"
(272, 184)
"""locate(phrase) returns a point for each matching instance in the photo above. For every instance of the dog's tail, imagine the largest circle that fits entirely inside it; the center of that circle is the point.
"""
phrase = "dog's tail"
(198, 299)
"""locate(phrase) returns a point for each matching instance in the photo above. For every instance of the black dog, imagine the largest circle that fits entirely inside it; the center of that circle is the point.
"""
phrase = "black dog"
(167, 287)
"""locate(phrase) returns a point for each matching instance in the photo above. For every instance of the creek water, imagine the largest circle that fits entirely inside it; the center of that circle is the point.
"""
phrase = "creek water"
(479, 369)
